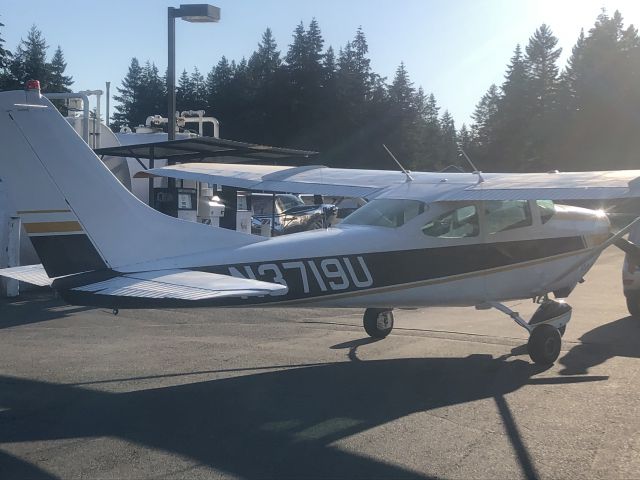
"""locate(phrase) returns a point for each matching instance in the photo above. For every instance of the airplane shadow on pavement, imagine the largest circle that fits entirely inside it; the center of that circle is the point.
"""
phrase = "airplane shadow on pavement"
(620, 338)
(34, 307)
(278, 424)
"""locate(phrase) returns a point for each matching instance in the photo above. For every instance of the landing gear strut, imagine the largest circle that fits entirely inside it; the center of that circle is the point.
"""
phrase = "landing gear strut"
(378, 322)
(545, 328)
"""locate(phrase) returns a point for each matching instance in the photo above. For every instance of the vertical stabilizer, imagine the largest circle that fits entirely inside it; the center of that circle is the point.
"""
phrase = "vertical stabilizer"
(77, 214)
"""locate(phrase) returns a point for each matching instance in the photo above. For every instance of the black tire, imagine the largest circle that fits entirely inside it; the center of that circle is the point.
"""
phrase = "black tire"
(378, 322)
(544, 344)
(550, 310)
(633, 304)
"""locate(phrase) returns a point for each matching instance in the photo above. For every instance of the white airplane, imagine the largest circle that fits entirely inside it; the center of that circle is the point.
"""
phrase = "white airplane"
(424, 239)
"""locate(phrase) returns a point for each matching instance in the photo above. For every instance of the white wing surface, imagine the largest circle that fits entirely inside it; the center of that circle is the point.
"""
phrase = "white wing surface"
(33, 274)
(309, 179)
(552, 186)
(431, 186)
(181, 285)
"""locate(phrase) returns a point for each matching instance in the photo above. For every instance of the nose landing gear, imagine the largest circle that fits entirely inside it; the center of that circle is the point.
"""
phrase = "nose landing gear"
(545, 328)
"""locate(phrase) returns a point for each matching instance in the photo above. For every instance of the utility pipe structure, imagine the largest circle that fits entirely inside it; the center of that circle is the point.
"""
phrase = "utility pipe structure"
(85, 109)
(84, 96)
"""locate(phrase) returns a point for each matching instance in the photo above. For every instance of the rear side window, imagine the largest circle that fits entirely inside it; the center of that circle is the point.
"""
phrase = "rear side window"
(503, 215)
(385, 212)
(459, 223)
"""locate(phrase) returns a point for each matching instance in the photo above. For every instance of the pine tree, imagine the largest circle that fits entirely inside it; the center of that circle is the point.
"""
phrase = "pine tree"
(541, 58)
(184, 92)
(448, 141)
(30, 60)
(152, 99)
(542, 97)
(511, 125)
(401, 91)
(265, 61)
(5, 62)
(128, 96)
(484, 127)
(57, 80)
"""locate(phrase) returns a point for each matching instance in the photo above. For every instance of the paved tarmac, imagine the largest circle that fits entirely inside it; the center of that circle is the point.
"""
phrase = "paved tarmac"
(303, 393)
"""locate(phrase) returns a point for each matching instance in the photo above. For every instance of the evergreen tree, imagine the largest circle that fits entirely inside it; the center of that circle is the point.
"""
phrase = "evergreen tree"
(152, 99)
(464, 139)
(513, 117)
(541, 58)
(265, 61)
(542, 98)
(5, 62)
(57, 80)
(401, 91)
(30, 60)
(485, 120)
(600, 87)
(185, 92)
(448, 141)
(126, 111)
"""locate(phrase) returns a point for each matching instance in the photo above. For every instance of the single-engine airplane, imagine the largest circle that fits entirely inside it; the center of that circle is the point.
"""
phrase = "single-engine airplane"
(423, 239)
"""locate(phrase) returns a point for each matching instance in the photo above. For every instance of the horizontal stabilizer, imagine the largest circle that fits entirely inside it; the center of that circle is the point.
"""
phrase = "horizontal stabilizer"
(181, 285)
(33, 274)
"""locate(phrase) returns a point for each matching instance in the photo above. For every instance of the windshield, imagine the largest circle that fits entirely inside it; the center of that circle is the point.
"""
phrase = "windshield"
(385, 212)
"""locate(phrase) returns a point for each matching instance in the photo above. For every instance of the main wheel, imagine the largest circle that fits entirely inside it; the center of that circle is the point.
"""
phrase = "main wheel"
(378, 322)
(633, 304)
(544, 344)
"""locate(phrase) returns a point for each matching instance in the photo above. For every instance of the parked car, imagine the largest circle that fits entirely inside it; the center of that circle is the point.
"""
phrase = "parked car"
(631, 278)
(291, 214)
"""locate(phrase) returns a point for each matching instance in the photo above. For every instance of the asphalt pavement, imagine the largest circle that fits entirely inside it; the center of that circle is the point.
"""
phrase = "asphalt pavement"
(304, 393)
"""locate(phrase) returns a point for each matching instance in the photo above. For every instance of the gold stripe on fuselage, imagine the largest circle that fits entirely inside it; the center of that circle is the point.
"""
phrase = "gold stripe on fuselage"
(52, 227)
(29, 212)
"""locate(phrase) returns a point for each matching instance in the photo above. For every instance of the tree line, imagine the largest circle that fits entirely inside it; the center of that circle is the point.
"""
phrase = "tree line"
(310, 98)
(583, 117)
(543, 116)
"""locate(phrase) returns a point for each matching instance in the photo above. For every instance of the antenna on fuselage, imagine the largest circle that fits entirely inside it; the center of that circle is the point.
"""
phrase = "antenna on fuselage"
(404, 170)
(475, 170)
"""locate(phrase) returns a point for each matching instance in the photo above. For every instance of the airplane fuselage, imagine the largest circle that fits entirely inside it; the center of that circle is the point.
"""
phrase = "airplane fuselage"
(363, 266)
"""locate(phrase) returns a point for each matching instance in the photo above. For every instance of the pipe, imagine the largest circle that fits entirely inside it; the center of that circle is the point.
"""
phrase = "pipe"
(85, 109)
(108, 98)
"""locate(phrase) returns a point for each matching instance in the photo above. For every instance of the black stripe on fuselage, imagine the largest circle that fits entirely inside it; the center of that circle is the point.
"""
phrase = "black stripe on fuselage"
(66, 254)
(360, 272)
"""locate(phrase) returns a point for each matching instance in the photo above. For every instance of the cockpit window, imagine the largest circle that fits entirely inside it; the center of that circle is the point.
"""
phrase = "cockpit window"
(501, 216)
(385, 212)
(459, 223)
(547, 210)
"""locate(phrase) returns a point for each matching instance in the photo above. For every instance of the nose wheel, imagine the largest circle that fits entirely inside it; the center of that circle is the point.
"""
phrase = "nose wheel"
(545, 328)
(378, 322)
(544, 344)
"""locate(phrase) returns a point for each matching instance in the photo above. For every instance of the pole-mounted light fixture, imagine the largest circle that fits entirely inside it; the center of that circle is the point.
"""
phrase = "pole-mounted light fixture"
(194, 13)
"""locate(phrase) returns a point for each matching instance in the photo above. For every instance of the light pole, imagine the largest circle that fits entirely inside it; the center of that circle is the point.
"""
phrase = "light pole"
(196, 13)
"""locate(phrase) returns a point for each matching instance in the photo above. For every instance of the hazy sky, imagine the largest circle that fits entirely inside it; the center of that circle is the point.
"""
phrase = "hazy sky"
(455, 49)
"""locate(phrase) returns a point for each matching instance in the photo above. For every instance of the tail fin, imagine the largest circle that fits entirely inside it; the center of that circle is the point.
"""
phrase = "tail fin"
(77, 214)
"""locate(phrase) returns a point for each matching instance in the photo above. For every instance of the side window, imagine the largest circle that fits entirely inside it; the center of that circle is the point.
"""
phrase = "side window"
(547, 210)
(459, 223)
(501, 216)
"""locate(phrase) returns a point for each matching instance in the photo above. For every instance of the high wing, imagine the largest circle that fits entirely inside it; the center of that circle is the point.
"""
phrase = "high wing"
(181, 285)
(437, 186)
(552, 186)
(314, 179)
